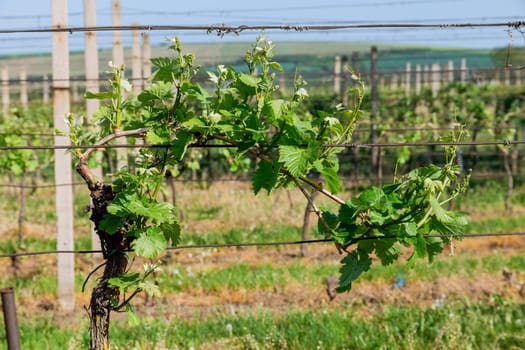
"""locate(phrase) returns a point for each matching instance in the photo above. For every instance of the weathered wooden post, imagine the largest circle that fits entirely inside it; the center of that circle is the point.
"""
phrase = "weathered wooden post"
(408, 69)
(5, 90)
(436, 78)
(92, 84)
(426, 75)
(146, 58)
(337, 76)
(45, 90)
(344, 80)
(118, 60)
(450, 71)
(394, 83)
(63, 172)
(463, 69)
(24, 101)
(418, 79)
(376, 151)
(11, 322)
(136, 64)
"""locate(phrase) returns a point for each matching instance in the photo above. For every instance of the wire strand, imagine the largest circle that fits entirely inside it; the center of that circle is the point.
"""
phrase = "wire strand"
(342, 145)
(224, 29)
(262, 244)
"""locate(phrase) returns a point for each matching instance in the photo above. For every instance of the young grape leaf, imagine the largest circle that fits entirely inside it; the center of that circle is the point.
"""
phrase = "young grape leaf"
(180, 144)
(328, 219)
(354, 264)
(111, 223)
(297, 159)
(265, 176)
(333, 182)
(150, 243)
(249, 80)
(171, 231)
(125, 281)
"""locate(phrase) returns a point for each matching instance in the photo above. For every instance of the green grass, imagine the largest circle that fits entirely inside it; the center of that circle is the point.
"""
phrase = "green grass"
(492, 324)
(239, 235)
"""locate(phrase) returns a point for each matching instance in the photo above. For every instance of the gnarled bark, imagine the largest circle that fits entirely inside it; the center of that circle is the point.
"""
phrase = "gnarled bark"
(114, 246)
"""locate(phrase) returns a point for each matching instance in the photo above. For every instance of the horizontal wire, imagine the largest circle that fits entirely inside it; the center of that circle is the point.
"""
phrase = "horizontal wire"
(342, 145)
(348, 178)
(262, 244)
(224, 29)
(358, 130)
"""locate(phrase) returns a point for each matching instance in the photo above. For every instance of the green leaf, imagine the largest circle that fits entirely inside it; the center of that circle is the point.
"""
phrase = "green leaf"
(387, 250)
(150, 288)
(100, 95)
(249, 80)
(180, 144)
(265, 176)
(150, 243)
(158, 91)
(296, 159)
(347, 213)
(330, 219)
(120, 204)
(274, 108)
(333, 182)
(133, 318)
(456, 226)
(354, 264)
(370, 198)
(124, 281)
(434, 247)
(158, 212)
(159, 136)
(171, 231)
(111, 223)
(441, 214)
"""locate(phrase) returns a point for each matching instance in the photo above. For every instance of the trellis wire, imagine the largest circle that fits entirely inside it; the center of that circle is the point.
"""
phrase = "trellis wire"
(342, 145)
(221, 30)
(261, 244)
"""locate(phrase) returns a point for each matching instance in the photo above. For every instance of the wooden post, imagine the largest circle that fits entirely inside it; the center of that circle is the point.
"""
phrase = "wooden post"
(418, 79)
(517, 77)
(507, 77)
(426, 75)
(355, 62)
(136, 64)
(118, 49)
(92, 84)
(5, 90)
(408, 69)
(146, 57)
(393, 82)
(344, 80)
(450, 70)
(337, 76)
(118, 60)
(11, 323)
(463, 69)
(74, 89)
(63, 194)
(24, 101)
(436, 78)
(45, 90)
(376, 152)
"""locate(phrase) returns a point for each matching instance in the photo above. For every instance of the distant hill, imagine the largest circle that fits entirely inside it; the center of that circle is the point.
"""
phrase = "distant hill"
(305, 57)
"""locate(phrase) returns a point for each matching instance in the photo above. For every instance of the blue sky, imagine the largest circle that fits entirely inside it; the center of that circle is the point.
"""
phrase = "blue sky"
(36, 14)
